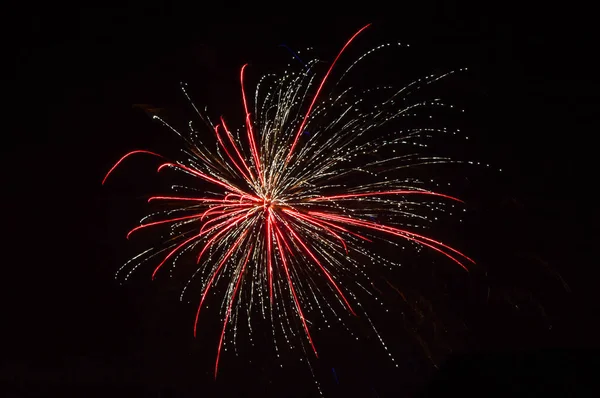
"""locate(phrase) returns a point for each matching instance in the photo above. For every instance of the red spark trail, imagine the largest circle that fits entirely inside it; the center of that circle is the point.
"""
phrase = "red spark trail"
(310, 253)
(206, 200)
(227, 152)
(217, 209)
(237, 285)
(173, 251)
(228, 215)
(322, 223)
(269, 251)
(319, 91)
(312, 223)
(278, 235)
(236, 148)
(162, 222)
(398, 232)
(214, 274)
(189, 240)
(252, 198)
(384, 228)
(202, 175)
(231, 220)
(125, 157)
(253, 148)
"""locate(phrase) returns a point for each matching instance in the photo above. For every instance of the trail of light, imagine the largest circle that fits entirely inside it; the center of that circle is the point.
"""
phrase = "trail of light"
(269, 252)
(188, 241)
(232, 221)
(386, 228)
(203, 176)
(206, 200)
(311, 254)
(322, 224)
(398, 232)
(162, 222)
(247, 212)
(300, 129)
(237, 285)
(397, 290)
(252, 198)
(279, 236)
(242, 197)
(375, 193)
(216, 209)
(236, 148)
(294, 213)
(173, 251)
(214, 274)
(253, 148)
(125, 157)
(227, 151)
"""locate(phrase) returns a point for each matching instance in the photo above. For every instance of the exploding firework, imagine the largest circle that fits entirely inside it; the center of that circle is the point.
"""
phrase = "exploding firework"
(302, 192)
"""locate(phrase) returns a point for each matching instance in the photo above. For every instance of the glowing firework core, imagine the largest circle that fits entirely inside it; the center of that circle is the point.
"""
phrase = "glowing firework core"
(268, 203)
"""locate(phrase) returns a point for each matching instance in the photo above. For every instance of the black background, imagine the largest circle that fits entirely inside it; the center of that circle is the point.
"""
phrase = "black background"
(71, 77)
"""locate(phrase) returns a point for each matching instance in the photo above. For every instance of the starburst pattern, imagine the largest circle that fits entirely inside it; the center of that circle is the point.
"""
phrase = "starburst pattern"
(303, 191)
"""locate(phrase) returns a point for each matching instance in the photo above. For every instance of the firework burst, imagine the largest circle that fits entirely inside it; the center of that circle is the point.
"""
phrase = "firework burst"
(304, 189)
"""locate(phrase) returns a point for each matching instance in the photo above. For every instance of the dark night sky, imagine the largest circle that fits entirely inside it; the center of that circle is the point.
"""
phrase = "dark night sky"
(70, 78)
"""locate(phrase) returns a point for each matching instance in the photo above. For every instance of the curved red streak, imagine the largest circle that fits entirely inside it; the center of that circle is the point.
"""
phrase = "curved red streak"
(212, 278)
(282, 238)
(232, 222)
(436, 249)
(388, 229)
(319, 91)
(227, 152)
(322, 224)
(311, 220)
(231, 213)
(249, 125)
(269, 251)
(252, 198)
(237, 285)
(230, 136)
(206, 200)
(242, 197)
(161, 222)
(327, 274)
(289, 279)
(183, 244)
(212, 210)
(203, 176)
(396, 192)
(398, 232)
(125, 157)
(437, 243)
(173, 251)
(347, 231)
